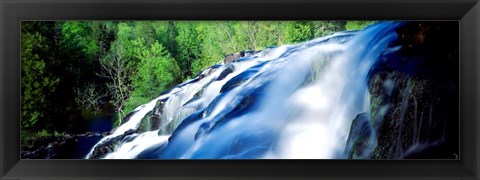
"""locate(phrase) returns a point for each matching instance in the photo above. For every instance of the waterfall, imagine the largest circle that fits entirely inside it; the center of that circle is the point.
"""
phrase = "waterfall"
(287, 102)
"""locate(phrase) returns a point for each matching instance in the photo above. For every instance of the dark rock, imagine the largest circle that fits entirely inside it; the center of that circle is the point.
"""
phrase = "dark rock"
(67, 136)
(106, 134)
(414, 93)
(153, 119)
(129, 132)
(157, 113)
(46, 148)
(243, 103)
(228, 69)
(102, 149)
(242, 77)
(127, 117)
(206, 72)
(146, 123)
(232, 57)
(246, 104)
(67, 146)
(359, 144)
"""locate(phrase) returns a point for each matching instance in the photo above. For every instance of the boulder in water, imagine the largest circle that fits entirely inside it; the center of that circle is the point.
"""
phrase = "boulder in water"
(359, 140)
(127, 117)
(107, 146)
(153, 119)
(228, 69)
(231, 57)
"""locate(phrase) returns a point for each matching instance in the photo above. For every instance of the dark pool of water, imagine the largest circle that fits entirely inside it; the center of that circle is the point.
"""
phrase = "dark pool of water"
(81, 146)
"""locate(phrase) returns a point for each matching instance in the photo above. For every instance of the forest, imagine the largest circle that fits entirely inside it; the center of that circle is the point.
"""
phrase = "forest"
(74, 71)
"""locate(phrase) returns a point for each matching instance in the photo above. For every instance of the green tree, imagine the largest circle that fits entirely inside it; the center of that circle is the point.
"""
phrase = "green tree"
(245, 34)
(104, 33)
(37, 83)
(324, 28)
(358, 25)
(270, 34)
(118, 69)
(298, 32)
(212, 45)
(188, 47)
(156, 72)
(78, 36)
(80, 45)
(138, 66)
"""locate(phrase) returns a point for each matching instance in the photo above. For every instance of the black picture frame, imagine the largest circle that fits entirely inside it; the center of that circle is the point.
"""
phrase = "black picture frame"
(12, 12)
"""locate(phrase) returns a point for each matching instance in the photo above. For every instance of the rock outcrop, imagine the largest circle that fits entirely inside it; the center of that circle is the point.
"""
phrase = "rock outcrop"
(414, 96)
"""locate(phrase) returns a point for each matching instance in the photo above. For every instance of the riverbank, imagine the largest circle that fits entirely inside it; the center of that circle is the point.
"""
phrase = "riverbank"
(68, 146)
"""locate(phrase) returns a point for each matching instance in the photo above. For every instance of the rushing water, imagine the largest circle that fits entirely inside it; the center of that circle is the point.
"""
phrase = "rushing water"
(293, 101)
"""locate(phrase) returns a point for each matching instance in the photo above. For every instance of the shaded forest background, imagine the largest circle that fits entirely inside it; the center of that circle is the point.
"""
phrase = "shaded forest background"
(77, 70)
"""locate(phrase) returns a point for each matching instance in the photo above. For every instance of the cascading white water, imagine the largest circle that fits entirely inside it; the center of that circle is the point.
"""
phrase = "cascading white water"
(293, 101)
(129, 150)
(176, 98)
(327, 106)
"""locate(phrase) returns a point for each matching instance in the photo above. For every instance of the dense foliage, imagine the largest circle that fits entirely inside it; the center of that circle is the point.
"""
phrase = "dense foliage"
(76, 68)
